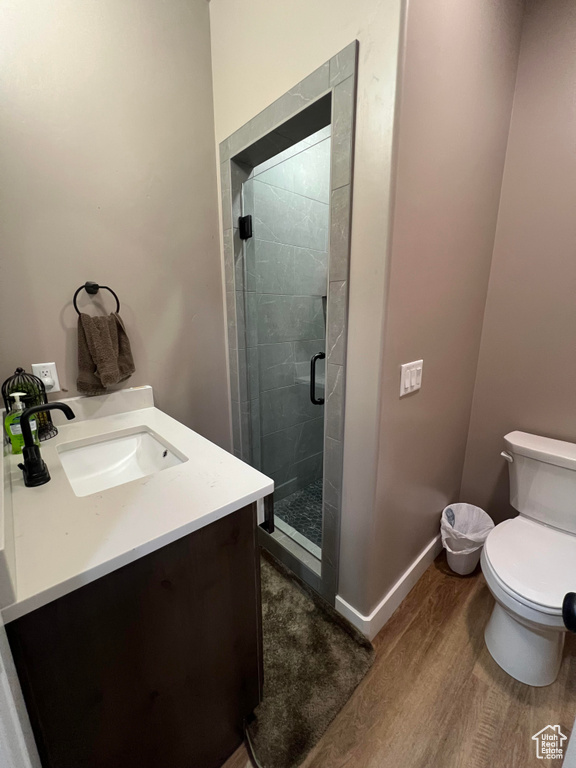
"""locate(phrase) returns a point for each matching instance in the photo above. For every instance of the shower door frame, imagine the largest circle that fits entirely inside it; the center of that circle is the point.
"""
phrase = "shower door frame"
(327, 96)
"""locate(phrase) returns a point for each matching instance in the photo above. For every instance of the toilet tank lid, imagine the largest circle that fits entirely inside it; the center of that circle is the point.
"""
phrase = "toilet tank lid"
(544, 449)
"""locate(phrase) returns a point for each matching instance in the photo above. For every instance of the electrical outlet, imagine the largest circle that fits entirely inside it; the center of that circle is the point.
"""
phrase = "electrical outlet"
(49, 375)
(410, 377)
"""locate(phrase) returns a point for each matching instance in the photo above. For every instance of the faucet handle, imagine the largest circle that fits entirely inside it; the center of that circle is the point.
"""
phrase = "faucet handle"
(34, 467)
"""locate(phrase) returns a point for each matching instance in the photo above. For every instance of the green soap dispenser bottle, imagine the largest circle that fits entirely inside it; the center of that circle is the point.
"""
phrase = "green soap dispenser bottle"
(12, 423)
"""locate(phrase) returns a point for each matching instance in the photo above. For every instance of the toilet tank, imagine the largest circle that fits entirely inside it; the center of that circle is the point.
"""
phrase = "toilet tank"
(543, 479)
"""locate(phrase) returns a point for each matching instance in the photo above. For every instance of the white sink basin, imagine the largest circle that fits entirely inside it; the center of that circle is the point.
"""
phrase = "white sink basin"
(93, 465)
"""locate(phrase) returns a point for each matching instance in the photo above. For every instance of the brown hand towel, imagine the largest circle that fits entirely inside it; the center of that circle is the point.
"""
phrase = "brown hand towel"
(104, 354)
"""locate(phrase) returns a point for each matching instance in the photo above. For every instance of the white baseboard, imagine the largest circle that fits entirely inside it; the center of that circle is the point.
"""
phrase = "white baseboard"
(372, 624)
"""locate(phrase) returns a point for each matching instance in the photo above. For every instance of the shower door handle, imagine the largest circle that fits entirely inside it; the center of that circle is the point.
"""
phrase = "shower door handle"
(315, 400)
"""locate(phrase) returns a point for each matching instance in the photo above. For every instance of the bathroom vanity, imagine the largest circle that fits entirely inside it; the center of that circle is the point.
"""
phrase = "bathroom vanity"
(135, 618)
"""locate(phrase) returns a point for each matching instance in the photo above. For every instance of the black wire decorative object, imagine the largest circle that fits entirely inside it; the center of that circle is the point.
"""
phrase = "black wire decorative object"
(92, 289)
(35, 392)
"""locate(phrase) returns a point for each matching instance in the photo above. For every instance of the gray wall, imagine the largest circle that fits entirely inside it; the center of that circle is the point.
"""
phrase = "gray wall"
(107, 171)
(527, 367)
(286, 278)
(457, 89)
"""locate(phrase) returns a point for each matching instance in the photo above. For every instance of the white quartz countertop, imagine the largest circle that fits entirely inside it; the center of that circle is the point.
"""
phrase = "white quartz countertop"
(63, 541)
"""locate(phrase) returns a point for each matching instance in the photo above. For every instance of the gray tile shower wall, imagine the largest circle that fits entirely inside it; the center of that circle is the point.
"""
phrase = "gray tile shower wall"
(286, 273)
(306, 170)
(278, 268)
(281, 216)
(289, 318)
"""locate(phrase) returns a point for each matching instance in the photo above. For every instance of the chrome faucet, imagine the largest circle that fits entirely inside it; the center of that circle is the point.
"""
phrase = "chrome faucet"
(34, 467)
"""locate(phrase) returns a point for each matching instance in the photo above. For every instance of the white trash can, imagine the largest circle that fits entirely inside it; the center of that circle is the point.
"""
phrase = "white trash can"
(464, 529)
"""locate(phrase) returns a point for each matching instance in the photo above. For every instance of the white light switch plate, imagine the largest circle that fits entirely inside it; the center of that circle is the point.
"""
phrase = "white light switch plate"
(48, 373)
(410, 377)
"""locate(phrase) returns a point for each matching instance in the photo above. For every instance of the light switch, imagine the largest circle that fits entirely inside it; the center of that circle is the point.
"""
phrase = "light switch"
(406, 380)
(411, 377)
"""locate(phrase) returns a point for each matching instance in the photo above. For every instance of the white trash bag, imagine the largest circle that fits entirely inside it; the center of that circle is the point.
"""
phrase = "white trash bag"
(464, 530)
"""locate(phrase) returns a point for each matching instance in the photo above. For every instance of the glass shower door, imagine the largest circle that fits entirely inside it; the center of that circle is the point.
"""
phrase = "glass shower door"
(285, 288)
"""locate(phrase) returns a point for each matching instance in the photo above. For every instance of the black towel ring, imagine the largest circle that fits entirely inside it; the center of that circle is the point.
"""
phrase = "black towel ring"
(92, 289)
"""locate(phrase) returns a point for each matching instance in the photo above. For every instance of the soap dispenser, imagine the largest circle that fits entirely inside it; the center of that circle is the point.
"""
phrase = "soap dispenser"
(12, 423)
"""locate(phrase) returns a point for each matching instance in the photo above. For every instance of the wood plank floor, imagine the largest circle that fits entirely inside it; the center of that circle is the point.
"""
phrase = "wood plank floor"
(435, 698)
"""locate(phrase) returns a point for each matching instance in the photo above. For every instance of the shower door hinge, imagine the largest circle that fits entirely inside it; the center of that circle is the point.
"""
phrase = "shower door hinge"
(245, 227)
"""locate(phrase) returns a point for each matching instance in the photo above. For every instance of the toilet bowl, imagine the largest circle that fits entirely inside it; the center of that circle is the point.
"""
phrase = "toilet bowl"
(530, 562)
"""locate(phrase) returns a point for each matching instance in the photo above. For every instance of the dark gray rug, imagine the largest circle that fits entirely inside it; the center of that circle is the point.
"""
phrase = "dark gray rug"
(313, 660)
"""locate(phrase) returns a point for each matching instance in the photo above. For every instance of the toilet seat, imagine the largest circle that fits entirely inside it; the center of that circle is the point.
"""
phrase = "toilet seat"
(532, 563)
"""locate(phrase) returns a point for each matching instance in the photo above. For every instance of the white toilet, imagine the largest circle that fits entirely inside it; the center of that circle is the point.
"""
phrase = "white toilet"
(530, 562)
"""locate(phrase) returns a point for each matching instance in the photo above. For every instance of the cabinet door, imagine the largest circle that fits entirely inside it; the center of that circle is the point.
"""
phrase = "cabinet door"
(155, 664)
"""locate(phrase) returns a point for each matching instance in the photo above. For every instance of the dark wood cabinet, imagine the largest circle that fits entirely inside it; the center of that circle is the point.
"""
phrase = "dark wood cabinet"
(154, 665)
